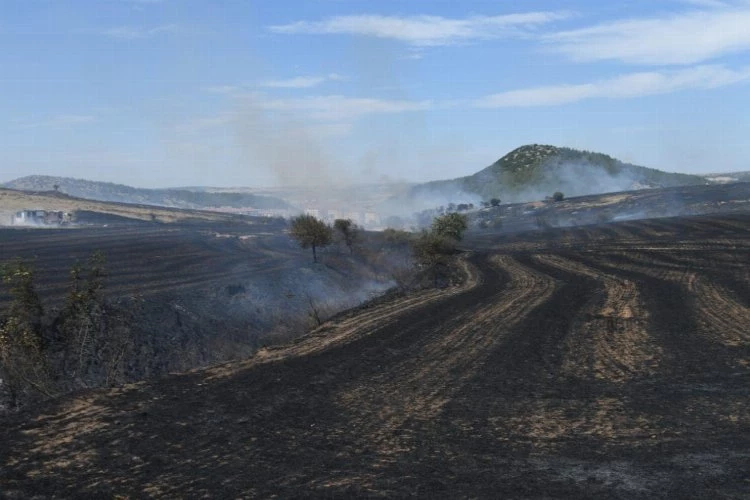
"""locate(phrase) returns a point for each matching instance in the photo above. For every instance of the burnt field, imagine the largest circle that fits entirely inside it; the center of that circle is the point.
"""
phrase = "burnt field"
(608, 361)
(197, 292)
(150, 260)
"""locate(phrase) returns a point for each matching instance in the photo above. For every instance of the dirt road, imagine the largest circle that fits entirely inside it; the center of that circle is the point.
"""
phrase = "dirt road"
(600, 362)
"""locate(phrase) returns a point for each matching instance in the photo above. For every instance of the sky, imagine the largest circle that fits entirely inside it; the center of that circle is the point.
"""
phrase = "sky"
(166, 93)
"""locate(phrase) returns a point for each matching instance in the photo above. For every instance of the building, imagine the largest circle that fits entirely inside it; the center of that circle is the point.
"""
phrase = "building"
(40, 218)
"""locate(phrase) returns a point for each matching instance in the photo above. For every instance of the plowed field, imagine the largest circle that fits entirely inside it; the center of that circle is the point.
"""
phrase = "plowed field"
(604, 361)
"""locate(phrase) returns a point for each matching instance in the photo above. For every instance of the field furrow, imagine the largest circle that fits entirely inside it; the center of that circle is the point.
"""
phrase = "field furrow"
(610, 339)
(417, 388)
(721, 315)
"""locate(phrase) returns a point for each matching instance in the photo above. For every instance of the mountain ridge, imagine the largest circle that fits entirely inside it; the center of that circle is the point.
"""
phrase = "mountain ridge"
(169, 197)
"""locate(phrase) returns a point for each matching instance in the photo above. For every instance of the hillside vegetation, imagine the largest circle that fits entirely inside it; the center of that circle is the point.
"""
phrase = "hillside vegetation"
(534, 171)
(178, 198)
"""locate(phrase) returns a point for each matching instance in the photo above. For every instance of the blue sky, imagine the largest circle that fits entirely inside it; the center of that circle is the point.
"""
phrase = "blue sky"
(157, 93)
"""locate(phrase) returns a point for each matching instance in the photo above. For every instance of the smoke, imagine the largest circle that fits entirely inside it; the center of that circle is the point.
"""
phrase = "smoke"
(578, 178)
(287, 145)
(408, 206)
(284, 301)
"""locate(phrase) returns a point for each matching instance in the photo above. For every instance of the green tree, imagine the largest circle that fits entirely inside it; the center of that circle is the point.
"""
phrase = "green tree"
(451, 226)
(349, 232)
(432, 252)
(310, 232)
(23, 322)
(430, 248)
(23, 363)
(495, 202)
(558, 196)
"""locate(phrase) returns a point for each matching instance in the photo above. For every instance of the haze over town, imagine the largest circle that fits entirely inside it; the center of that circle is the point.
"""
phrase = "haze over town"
(162, 93)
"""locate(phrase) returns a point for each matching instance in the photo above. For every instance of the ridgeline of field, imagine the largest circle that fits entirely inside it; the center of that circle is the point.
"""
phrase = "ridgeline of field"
(533, 171)
(178, 198)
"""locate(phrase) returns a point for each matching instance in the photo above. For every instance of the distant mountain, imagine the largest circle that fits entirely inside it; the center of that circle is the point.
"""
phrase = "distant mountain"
(176, 198)
(535, 171)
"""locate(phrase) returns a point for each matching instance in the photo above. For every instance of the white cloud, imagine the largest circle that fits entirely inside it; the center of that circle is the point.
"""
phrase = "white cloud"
(621, 87)
(301, 82)
(336, 107)
(423, 30)
(223, 89)
(135, 32)
(685, 38)
(59, 121)
(705, 3)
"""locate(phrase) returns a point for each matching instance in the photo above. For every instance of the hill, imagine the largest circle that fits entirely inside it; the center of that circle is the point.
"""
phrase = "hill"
(534, 171)
(177, 198)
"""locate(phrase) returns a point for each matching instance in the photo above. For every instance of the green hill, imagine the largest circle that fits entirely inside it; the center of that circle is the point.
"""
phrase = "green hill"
(534, 171)
(176, 198)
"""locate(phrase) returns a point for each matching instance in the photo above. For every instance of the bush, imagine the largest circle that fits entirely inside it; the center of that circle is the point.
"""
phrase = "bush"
(450, 226)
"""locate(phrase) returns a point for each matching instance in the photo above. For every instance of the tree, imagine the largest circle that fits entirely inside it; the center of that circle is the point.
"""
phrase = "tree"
(450, 226)
(310, 232)
(430, 248)
(495, 202)
(83, 320)
(23, 323)
(23, 363)
(432, 251)
(558, 196)
(349, 232)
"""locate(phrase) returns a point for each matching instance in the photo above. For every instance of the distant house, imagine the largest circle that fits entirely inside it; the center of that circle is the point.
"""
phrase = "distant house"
(40, 218)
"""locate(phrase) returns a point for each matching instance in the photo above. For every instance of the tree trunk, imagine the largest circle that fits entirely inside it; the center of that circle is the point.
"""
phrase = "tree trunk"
(315, 255)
